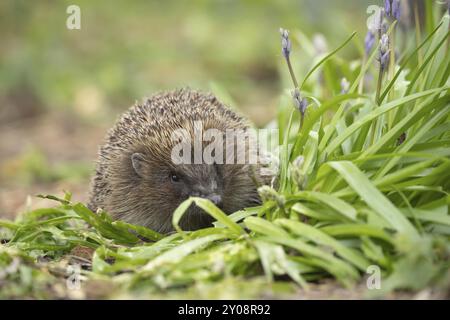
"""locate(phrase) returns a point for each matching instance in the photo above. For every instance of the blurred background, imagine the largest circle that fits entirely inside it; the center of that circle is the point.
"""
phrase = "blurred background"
(61, 89)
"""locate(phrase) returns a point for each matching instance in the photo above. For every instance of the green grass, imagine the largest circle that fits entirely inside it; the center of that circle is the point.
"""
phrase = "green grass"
(361, 197)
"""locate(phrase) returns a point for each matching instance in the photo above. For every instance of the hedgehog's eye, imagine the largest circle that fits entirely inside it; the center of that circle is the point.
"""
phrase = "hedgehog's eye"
(174, 177)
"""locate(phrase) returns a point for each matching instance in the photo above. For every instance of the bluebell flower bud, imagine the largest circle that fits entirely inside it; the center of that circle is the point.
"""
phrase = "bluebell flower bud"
(396, 9)
(303, 105)
(384, 51)
(296, 171)
(387, 7)
(384, 60)
(300, 103)
(285, 43)
(384, 27)
(369, 41)
(269, 194)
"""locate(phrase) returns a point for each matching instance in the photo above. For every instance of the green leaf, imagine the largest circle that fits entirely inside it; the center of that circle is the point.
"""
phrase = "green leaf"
(373, 115)
(373, 197)
(176, 254)
(321, 238)
(210, 209)
(337, 204)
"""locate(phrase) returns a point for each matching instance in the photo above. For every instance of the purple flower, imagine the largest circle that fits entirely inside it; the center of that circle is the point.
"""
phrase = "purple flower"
(384, 51)
(369, 41)
(285, 43)
(300, 103)
(384, 27)
(396, 9)
(387, 7)
(303, 105)
(384, 60)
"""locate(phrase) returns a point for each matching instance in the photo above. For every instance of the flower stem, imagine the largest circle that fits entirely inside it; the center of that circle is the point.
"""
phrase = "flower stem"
(380, 79)
(391, 73)
(378, 102)
(291, 71)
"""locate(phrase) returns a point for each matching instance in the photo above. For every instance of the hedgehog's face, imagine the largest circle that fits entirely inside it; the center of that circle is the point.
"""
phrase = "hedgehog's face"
(166, 186)
(197, 180)
(181, 181)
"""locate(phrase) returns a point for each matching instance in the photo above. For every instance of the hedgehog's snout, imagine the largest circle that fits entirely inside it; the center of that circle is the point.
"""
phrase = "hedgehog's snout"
(210, 192)
(216, 199)
(213, 197)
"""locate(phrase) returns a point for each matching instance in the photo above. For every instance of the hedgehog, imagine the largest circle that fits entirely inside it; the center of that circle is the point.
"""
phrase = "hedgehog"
(137, 180)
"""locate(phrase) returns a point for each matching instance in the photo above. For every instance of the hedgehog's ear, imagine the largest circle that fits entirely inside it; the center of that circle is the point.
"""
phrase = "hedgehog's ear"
(137, 160)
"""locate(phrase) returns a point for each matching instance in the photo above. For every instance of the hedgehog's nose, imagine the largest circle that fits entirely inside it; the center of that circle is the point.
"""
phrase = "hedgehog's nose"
(215, 198)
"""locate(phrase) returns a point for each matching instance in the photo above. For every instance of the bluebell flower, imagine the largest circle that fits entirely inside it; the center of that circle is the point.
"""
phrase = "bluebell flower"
(285, 43)
(396, 9)
(384, 60)
(387, 7)
(384, 27)
(369, 41)
(296, 171)
(269, 194)
(300, 103)
(384, 52)
(303, 105)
